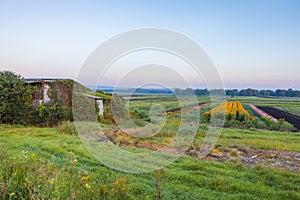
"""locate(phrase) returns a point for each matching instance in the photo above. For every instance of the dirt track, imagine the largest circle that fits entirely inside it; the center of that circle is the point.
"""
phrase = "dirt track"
(251, 158)
(276, 113)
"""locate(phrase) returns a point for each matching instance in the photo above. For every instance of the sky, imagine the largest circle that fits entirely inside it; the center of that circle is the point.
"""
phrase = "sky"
(254, 43)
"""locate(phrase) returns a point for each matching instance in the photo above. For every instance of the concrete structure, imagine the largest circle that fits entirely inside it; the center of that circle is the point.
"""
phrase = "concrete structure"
(60, 89)
(41, 95)
(99, 102)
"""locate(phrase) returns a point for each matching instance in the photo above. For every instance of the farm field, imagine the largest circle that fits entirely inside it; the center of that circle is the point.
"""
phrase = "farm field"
(233, 111)
(142, 105)
(289, 104)
(280, 107)
(277, 113)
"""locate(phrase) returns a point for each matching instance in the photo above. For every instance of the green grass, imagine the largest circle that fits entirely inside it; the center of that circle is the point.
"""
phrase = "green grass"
(291, 109)
(143, 104)
(42, 163)
(260, 139)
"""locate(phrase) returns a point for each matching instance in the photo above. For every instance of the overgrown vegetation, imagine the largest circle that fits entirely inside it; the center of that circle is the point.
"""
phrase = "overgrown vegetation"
(16, 105)
(15, 99)
(27, 176)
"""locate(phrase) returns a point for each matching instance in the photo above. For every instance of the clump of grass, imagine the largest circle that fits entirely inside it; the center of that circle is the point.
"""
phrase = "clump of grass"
(68, 128)
(216, 152)
(235, 161)
(234, 153)
(160, 178)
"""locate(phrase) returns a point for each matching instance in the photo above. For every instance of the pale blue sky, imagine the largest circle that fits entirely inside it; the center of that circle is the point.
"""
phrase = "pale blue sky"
(254, 43)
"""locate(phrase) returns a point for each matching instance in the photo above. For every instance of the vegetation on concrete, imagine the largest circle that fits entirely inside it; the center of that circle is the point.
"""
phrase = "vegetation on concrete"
(16, 104)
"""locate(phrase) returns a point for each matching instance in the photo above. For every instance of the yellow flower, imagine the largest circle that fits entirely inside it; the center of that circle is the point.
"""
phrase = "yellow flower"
(32, 155)
(12, 194)
(85, 178)
(121, 183)
(75, 160)
(230, 108)
(52, 181)
(87, 186)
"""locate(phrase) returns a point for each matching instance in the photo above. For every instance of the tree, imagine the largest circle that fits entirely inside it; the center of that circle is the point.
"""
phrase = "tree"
(290, 93)
(280, 93)
(232, 93)
(297, 93)
(249, 92)
(15, 98)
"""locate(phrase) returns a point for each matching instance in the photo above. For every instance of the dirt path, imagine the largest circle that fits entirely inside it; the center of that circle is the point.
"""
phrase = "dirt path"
(250, 157)
(255, 157)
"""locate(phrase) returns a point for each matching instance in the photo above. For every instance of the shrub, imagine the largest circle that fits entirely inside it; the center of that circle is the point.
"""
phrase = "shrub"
(282, 125)
(15, 99)
(261, 125)
(48, 114)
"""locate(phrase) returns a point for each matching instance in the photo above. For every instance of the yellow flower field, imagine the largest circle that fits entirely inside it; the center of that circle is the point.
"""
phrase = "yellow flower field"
(234, 111)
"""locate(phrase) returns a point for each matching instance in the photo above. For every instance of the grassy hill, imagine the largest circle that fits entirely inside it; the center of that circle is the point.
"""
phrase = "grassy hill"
(52, 163)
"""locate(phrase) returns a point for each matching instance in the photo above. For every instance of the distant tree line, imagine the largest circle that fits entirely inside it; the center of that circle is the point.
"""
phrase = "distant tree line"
(141, 90)
(245, 92)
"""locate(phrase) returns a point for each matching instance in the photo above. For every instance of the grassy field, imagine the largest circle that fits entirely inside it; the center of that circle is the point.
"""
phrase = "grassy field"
(260, 139)
(291, 109)
(169, 102)
(46, 163)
